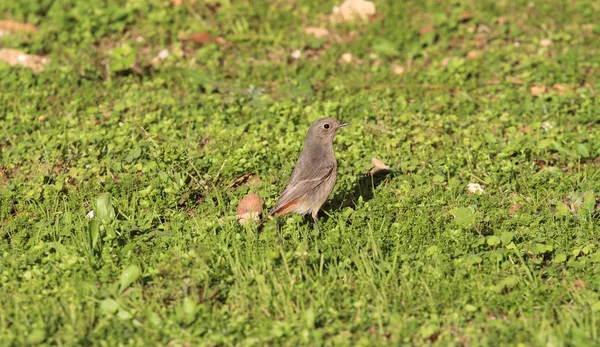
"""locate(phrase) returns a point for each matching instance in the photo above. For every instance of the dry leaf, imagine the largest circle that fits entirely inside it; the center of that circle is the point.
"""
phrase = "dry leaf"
(562, 88)
(474, 188)
(15, 57)
(514, 80)
(473, 54)
(579, 284)
(398, 69)
(198, 38)
(445, 61)
(525, 129)
(350, 9)
(538, 90)
(588, 28)
(254, 180)
(176, 3)
(482, 28)
(465, 16)
(545, 42)
(514, 208)
(249, 208)
(317, 32)
(378, 166)
(9, 26)
(426, 29)
(220, 40)
(240, 180)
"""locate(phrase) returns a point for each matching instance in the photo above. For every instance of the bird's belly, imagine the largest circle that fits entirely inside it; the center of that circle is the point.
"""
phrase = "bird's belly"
(321, 193)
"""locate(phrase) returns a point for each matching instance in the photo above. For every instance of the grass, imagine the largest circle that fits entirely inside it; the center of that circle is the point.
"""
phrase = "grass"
(409, 259)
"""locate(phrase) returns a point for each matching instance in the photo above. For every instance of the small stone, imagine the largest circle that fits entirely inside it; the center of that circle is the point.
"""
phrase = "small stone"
(474, 188)
(163, 54)
(398, 69)
(547, 126)
(347, 57)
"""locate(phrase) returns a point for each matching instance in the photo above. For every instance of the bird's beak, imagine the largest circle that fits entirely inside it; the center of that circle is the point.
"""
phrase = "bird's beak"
(343, 124)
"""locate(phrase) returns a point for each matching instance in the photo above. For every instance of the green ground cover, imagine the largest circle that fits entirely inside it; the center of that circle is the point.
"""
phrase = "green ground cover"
(498, 93)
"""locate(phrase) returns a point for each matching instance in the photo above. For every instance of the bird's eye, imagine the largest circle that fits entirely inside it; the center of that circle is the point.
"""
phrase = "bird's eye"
(326, 126)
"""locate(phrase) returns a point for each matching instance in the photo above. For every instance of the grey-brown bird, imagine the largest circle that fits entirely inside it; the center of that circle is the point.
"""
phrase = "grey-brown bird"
(314, 176)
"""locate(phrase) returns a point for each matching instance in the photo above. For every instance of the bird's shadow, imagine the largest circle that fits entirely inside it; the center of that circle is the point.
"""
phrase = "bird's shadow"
(364, 186)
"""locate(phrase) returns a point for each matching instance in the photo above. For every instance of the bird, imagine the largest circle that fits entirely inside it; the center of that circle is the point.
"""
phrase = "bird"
(314, 175)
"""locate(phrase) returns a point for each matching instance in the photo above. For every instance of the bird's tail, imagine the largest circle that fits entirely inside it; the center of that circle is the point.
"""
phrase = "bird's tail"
(261, 225)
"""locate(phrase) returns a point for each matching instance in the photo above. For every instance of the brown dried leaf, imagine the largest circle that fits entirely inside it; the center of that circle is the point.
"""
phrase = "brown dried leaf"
(317, 32)
(254, 180)
(15, 57)
(589, 28)
(514, 80)
(514, 208)
(349, 10)
(538, 90)
(579, 284)
(249, 208)
(426, 29)
(220, 40)
(198, 38)
(562, 88)
(378, 166)
(473, 54)
(240, 180)
(9, 26)
(465, 16)
(525, 129)
(482, 28)
(176, 3)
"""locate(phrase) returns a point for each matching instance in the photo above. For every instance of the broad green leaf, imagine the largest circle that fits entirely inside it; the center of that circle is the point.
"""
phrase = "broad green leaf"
(438, 178)
(582, 150)
(128, 276)
(104, 208)
(506, 237)
(463, 216)
(385, 48)
(109, 306)
(493, 240)
(560, 258)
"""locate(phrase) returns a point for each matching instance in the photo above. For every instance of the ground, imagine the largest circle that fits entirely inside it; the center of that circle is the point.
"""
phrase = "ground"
(122, 153)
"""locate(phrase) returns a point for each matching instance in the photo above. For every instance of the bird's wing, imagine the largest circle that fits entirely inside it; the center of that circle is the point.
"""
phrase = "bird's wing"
(300, 183)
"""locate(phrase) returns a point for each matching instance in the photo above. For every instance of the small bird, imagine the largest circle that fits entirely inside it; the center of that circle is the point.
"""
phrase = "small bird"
(314, 176)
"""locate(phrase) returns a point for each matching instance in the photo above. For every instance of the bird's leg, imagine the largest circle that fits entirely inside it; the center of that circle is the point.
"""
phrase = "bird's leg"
(314, 216)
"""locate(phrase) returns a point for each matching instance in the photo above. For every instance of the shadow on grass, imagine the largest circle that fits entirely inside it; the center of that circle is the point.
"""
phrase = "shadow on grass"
(364, 185)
